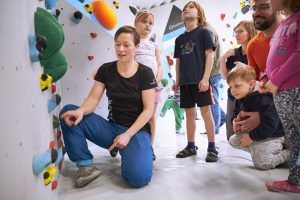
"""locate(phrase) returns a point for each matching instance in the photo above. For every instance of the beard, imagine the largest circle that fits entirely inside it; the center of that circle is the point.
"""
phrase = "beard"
(266, 24)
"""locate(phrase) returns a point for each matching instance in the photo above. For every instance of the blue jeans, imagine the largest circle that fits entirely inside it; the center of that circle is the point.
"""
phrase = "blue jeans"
(217, 112)
(136, 157)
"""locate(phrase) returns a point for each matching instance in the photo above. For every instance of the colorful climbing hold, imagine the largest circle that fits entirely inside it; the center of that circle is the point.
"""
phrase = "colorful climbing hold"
(104, 14)
(93, 35)
(45, 81)
(49, 174)
(53, 102)
(53, 88)
(116, 4)
(77, 17)
(222, 16)
(88, 8)
(41, 161)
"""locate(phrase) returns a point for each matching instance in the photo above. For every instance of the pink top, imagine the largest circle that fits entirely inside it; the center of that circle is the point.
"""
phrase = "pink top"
(283, 64)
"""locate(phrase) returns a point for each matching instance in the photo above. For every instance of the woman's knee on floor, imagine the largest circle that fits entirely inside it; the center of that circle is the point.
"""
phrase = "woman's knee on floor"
(137, 178)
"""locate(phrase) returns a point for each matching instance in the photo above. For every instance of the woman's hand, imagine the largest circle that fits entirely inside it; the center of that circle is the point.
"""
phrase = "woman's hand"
(72, 117)
(120, 141)
(250, 120)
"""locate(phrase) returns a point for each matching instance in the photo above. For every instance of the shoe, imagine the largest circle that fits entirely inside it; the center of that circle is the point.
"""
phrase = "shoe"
(186, 152)
(153, 154)
(212, 155)
(283, 186)
(180, 132)
(204, 133)
(86, 174)
(114, 152)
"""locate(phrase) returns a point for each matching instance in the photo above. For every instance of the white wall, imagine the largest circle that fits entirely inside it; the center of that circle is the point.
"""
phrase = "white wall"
(78, 45)
(26, 126)
(213, 9)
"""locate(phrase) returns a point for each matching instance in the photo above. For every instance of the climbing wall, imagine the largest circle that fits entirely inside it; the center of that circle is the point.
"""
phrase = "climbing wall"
(27, 129)
(87, 47)
(85, 54)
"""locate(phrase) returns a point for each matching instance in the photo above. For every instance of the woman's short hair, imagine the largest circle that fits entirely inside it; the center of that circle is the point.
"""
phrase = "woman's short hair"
(128, 29)
(249, 26)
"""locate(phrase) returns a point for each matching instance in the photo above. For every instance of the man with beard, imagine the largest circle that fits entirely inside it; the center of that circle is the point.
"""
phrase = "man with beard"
(266, 21)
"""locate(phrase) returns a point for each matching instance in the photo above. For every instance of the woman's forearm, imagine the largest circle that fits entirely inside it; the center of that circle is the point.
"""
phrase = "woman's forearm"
(140, 122)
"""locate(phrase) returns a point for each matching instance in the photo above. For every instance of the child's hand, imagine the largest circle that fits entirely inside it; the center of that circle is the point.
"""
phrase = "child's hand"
(262, 85)
(245, 140)
(236, 128)
(203, 85)
(175, 87)
(271, 87)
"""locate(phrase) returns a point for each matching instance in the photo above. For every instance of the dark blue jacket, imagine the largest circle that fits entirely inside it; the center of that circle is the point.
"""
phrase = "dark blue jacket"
(270, 125)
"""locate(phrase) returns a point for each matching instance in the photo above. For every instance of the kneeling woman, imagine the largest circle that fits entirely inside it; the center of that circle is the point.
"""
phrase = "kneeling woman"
(130, 91)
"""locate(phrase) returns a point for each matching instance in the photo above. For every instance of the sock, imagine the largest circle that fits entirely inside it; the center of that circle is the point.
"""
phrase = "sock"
(191, 144)
(211, 145)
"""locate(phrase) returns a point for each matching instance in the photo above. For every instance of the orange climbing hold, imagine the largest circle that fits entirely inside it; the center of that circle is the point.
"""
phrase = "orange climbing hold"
(104, 14)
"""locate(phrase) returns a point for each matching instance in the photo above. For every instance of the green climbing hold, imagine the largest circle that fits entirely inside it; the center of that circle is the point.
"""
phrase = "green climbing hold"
(56, 66)
(46, 24)
(55, 122)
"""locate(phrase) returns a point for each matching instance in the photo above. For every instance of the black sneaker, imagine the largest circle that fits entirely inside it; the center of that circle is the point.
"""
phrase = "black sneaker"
(114, 152)
(212, 155)
(186, 152)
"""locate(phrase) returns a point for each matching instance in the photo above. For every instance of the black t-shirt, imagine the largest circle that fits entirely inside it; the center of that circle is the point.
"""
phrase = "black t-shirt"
(238, 56)
(125, 94)
(190, 48)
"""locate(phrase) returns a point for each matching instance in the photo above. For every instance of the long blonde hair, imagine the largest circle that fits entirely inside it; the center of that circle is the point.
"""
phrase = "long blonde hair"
(141, 15)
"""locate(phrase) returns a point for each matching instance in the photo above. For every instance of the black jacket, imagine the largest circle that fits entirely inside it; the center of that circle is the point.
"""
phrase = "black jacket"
(270, 125)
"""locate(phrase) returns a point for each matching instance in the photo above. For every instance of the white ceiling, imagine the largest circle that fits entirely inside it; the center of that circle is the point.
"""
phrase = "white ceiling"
(148, 4)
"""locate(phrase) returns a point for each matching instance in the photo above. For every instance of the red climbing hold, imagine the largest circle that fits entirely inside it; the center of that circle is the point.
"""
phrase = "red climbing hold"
(52, 145)
(93, 35)
(54, 185)
(53, 88)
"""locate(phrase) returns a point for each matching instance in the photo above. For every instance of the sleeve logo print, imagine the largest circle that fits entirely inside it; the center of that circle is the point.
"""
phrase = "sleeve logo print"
(153, 82)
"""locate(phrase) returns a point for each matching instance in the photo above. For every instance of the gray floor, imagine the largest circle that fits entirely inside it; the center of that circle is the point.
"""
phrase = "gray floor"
(232, 177)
